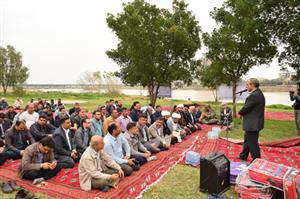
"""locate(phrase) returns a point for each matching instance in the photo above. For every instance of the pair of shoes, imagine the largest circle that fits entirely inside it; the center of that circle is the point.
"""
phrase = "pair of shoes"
(104, 188)
(241, 158)
(152, 158)
(9, 187)
(24, 194)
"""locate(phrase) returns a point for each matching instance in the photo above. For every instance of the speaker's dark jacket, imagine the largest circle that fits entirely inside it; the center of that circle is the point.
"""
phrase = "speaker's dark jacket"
(253, 111)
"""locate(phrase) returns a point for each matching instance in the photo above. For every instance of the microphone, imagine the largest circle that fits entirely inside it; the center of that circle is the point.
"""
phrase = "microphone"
(242, 91)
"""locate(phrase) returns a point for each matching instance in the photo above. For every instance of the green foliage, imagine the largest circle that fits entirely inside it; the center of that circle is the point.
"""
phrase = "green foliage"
(239, 43)
(156, 47)
(12, 71)
(282, 21)
(19, 91)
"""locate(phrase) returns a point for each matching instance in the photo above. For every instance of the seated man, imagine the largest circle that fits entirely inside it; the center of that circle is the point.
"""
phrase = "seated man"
(116, 146)
(2, 154)
(156, 135)
(11, 113)
(41, 128)
(77, 119)
(156, 114)
(145, 136)
(135, 111)
(97, 125)
(17, 138)
(29, 116)
(38, 163)
(83, 136)
(124, 120)
(208, 116)
(137, 150)
(96, 169)
(175, 128)
(111, 119)
(65, 151)
(4, 125)
(75, 109)
(62, 112)
(226, 115)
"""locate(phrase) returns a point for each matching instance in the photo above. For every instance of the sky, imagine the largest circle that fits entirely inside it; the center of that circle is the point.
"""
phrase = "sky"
(62, 39)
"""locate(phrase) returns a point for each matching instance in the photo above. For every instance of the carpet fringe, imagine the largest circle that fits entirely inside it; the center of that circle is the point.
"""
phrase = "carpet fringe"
(159, 179)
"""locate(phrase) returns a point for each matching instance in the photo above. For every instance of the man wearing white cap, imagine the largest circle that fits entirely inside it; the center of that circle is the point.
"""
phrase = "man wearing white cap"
(174, 126)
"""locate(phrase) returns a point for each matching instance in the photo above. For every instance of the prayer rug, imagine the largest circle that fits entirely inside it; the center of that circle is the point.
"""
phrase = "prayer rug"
(66, 183)
(289, 156)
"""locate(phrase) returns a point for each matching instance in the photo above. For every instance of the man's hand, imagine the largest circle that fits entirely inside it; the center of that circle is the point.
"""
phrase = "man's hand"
(1, 149)
(46, 165)
(130, 162)
(126, 157)
(22, 152)
(121, 173)
(147, 155)
(114, 176)
(53, 165)
(74, 154)
(154, 145)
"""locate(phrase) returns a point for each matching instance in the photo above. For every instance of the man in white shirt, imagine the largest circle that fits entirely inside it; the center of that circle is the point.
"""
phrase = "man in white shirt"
(30, 116)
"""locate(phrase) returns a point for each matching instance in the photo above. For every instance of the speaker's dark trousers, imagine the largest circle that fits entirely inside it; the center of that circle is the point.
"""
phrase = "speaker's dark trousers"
(250, 145)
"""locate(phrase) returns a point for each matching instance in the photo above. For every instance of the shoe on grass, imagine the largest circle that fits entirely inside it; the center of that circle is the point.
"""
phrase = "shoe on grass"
(6, 188)
(24, 194)
(14, 185)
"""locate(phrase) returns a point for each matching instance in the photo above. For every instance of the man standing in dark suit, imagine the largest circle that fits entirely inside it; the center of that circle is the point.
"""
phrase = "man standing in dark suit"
(65, 149)
(253, 119)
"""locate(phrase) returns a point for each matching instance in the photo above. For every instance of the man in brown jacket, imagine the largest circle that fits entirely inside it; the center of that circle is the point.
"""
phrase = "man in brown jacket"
(38, 161)
(96, 169)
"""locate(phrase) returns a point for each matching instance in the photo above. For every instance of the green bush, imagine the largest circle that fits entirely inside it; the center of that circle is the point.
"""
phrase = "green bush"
(19, 91)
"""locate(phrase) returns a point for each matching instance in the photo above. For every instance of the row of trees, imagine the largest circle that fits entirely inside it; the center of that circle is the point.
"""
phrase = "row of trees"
(96, 80)
(157, 46)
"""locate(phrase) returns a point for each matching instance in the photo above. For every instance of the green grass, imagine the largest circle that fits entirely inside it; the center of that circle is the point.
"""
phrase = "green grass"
(274, 130)
(181, 182)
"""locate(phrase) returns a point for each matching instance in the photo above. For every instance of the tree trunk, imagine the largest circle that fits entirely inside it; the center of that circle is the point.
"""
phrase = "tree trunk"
(153, 91)
(234, 98)
(216, 96)
(4, 89)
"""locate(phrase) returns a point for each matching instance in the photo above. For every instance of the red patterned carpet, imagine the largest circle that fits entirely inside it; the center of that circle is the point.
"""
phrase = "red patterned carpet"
(66, 184)
(286, 152)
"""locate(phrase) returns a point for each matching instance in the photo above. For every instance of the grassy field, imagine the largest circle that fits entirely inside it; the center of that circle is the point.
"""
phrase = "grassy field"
(182, 181)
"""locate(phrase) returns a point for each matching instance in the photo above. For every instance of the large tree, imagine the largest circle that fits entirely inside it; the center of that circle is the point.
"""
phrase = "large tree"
(282, 20)
(156, 46)
(12, 71)
(239, 43)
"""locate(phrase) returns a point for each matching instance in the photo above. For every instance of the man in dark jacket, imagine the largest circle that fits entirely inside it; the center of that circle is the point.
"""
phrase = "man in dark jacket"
(4, 125)
(11, 113)
(296, 97)
(253, 119)
(41, 128)
(65, 150)
(17, 138)
(135, 111)
(83, 136)
(38, 161)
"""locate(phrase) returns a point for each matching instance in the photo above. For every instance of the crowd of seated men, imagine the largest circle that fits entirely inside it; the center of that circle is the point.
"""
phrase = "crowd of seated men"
(108, 144)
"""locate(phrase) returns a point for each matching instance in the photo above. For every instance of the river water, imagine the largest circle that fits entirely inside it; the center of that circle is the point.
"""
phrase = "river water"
(195, 95)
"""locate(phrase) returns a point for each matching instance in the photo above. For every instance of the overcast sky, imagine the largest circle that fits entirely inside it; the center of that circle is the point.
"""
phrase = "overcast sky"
(61, 39)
